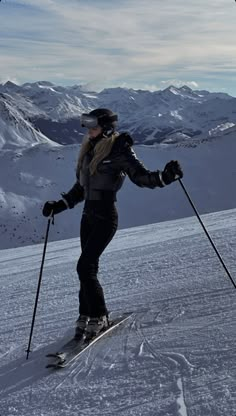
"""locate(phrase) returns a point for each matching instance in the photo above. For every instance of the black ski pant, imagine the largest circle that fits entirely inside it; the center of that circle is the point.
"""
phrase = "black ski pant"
(98, 226)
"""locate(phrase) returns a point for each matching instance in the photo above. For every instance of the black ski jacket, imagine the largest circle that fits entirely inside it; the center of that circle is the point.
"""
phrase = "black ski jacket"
(110, 174)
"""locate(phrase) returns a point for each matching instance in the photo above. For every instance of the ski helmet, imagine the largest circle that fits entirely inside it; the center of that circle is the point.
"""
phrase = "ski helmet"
(99, 117)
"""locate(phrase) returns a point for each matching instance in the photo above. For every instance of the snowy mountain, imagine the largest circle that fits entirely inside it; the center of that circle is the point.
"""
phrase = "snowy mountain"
(170, 115)
(31, 176)
(174, 357)
(15, 130)
(34, 169)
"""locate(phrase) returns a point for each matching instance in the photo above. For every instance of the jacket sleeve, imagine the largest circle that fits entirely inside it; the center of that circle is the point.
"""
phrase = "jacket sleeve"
(74, 195)
(137, 172)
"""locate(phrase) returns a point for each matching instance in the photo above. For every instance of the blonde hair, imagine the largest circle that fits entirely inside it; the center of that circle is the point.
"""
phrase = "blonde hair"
(101, 150)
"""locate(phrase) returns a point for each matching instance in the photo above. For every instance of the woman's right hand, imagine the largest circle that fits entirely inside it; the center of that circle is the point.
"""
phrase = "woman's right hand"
(53, 207)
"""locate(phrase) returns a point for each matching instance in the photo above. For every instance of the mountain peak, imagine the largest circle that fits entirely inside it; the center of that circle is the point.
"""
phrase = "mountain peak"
(38, 84)
(186, 88)
(15, 130)
(10, 84)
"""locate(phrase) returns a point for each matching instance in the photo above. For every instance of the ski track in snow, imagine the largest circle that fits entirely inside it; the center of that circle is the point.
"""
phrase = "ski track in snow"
(181, 400)
(174, 357)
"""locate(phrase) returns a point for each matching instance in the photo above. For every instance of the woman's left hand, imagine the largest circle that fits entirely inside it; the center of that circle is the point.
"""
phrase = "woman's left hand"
(172, 172)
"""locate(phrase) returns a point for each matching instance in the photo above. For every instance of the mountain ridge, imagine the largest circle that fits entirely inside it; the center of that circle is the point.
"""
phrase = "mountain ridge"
(148, 116)
(34, 169)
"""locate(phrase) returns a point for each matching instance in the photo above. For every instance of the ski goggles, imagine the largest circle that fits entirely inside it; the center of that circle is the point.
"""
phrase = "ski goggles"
(90, 121)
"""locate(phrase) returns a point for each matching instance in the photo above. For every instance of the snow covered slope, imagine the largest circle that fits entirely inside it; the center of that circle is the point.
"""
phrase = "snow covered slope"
(15, 130)
(42, 172)
(34, 169)
(175, 357)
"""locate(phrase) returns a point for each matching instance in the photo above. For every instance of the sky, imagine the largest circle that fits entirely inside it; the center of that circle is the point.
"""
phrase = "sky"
(141, 44)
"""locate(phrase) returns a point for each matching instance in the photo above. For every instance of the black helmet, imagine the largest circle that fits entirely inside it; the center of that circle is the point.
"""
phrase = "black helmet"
(100, 117)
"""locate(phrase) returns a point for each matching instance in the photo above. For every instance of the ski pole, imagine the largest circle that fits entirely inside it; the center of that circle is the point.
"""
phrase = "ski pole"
(39, 284)
(207, 234)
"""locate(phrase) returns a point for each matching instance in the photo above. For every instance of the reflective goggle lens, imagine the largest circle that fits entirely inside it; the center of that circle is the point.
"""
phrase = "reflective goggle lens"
(88, 121)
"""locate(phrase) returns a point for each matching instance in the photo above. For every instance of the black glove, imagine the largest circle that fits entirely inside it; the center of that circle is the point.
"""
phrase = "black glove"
(54, 207)
(172, 172)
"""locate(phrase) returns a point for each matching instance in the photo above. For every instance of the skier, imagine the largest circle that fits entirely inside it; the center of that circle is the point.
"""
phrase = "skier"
(105, 158)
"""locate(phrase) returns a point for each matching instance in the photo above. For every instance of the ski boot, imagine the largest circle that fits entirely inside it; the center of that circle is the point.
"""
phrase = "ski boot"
(95, 326)
(81, 327)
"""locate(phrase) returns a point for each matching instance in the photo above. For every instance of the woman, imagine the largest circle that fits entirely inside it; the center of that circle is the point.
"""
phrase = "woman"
(105, 158)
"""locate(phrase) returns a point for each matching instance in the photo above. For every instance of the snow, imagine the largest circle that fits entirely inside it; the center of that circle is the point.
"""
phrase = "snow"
(176, 115)
(15, 130)
(41, 172)
(176, 354)
(220, 128)
(174, 357)
(34, 169)
(198, 113)
(180, 400)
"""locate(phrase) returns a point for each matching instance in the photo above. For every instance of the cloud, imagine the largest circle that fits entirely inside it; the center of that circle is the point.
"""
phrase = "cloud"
(137, 42)
(9, 78)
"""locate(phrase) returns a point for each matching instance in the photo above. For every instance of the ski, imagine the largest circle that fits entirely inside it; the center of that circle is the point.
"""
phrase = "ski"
(74, 348)
(72, 345)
